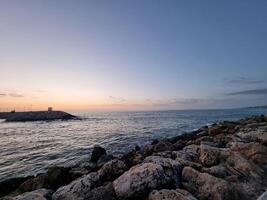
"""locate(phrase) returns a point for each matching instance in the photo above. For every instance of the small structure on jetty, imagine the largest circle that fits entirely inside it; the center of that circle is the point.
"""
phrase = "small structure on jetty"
(36, 116)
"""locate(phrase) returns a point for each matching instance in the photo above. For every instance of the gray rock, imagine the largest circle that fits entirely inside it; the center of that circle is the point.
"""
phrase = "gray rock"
(112, 170)
(101, 193)
(155, 172)
(172, 168)
(139, 180)
(177, 194)
(78, 189)
(40, 194)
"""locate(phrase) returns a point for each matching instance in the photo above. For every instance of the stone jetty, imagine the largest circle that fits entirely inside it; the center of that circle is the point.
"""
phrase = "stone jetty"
(36, 116)
(224, 161)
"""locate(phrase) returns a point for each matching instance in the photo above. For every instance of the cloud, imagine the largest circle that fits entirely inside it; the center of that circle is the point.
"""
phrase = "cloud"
(244, 80)
(39, 91)
(188, 101)
(249, 92)
(16, 95)
(117, 99)
(2, 95)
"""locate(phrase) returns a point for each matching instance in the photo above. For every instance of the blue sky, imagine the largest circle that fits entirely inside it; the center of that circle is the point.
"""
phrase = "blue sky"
(133, 54)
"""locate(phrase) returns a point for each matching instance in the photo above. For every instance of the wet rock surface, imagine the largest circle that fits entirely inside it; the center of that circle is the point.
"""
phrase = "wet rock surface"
(227, 160)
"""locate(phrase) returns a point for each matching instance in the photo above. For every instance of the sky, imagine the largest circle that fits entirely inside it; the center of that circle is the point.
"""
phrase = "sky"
(132, 55)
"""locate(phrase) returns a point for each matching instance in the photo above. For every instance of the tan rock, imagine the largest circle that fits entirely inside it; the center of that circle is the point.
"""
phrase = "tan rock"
(205, 186)
(210, 156)
(252, 151)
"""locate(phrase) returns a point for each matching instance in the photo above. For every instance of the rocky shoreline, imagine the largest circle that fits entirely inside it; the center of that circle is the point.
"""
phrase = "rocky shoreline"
(227, 160)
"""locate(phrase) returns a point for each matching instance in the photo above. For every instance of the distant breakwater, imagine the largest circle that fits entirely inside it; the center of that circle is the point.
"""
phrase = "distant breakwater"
(36, 116)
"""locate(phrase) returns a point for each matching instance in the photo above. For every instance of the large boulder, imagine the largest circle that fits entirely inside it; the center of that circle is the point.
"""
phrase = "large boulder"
(78, 189)
(252, 151)
(260, 135)
(139, 180)
(243, 168)
(172, 168)
(177, 194)
(97, 152)
(112, 170)
(205, 186)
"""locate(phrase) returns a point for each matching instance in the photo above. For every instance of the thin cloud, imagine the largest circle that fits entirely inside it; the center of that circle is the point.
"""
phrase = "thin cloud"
(40, 91)
(188, 101)
(244, 80)
(2, 95)
(15, 95)
(249, 92)
(118, 99)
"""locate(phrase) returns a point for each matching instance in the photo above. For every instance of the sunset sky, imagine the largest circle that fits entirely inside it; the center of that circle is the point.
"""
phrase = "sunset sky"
(132, 54)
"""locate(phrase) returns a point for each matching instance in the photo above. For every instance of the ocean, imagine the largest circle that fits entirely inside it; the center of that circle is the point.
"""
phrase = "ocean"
(29, 148)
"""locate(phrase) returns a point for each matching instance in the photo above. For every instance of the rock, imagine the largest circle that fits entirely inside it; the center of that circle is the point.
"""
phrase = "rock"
(209, 155)
(205, 186)
(10, 185)
(139, 180)
(259, 135)
(164, 154)
(220, 171)
(147, 150)
(263, 196)
(101, 193)
(90, 166)
(112, 170)
(33, 183)
(177, 194)
(104, 159)
(132, 158)
(56, 177)
(243, 168)
(97, 153)
(162, 146)
(252, 151)
(179, 144)
(172, 168)
(215, 130)
(77, 172)
(192, 151)
(40, 194)
(78, 189)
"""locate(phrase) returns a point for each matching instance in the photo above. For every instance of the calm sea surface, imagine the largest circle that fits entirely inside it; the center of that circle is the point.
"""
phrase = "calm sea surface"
(29, 148)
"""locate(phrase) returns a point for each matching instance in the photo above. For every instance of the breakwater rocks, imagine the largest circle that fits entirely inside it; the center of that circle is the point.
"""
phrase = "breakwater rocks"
(36, 116)
(227, 160)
